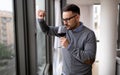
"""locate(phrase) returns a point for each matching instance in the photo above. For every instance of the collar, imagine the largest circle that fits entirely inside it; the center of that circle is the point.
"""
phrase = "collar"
(78, 28)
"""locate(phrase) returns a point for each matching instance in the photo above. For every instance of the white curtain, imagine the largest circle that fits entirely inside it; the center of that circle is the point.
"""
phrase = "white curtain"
(57, 62)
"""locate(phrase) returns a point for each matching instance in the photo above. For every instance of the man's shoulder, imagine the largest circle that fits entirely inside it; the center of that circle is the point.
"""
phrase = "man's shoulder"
(87, 29)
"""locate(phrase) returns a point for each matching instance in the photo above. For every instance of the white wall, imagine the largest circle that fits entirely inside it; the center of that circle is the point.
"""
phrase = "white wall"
(86, 15)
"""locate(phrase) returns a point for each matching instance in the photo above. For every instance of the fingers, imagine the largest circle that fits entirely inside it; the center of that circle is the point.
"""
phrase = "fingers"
(64, 41)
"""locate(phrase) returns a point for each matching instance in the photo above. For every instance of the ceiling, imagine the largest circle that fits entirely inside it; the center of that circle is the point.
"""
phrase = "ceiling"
(84, 2)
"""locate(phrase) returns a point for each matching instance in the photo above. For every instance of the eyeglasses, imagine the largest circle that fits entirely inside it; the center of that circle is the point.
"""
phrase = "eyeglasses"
(67, 19)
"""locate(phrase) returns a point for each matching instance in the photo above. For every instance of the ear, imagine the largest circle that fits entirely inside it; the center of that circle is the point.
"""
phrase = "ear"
(78, 17)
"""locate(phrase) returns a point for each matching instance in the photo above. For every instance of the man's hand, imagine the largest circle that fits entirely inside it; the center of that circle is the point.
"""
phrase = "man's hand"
(64, 42)
(41, 14)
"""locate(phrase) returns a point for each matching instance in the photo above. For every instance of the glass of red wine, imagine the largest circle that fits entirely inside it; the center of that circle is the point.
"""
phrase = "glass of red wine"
(61, 33)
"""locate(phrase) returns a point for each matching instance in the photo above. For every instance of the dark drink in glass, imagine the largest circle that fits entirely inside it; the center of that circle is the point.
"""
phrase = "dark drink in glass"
(61, 31)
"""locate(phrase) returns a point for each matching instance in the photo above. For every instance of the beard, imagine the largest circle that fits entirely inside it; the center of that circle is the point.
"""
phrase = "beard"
(73, 26)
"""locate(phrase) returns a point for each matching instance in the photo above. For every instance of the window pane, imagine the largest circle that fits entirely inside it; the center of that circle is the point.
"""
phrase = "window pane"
(96, 25)
(7, 46)
(40, 39)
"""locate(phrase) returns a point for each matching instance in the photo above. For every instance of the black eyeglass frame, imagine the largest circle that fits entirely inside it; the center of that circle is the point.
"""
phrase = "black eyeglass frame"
(67, 19)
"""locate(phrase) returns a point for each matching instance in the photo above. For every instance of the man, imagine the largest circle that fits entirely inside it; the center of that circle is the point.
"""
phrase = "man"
(79, 42)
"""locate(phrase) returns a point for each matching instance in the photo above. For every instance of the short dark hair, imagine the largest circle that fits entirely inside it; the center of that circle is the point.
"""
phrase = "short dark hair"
(72, 7)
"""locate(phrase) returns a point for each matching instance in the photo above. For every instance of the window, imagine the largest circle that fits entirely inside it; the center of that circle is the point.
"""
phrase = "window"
(96, 19)
(7, 44)
(118, 41)
(44, 43)
(40, 40)
(96, 26)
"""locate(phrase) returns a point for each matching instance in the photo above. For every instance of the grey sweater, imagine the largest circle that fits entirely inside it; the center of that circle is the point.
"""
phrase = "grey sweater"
(80, 54)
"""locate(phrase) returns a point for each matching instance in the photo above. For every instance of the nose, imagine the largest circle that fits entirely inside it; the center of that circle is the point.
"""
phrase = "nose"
(65, 22)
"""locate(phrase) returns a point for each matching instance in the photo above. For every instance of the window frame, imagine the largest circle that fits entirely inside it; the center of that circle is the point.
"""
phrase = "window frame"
(24, 18)
(25, 37)
(50, 19)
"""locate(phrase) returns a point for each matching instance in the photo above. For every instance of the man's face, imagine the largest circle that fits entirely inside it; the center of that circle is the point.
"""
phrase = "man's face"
(70, 20)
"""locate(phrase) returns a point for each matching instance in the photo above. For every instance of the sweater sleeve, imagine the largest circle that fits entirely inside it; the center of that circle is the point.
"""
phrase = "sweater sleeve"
(43, 26)
(49, 30)
(87, 55)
